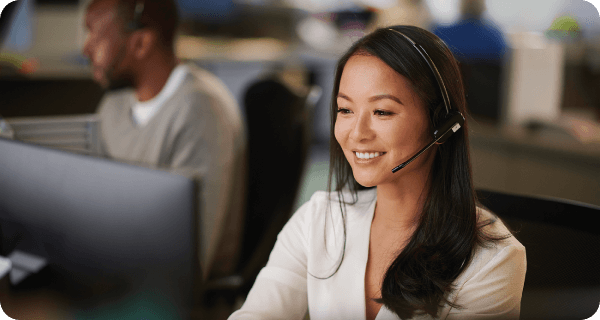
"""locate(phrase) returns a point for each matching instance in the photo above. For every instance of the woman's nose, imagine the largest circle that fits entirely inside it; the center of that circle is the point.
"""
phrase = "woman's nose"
(362, 128)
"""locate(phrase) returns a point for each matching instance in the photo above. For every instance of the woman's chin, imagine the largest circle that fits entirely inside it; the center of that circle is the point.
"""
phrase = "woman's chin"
(365, 182)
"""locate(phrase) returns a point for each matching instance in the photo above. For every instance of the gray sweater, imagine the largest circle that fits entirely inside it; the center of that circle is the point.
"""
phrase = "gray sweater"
(198, 127)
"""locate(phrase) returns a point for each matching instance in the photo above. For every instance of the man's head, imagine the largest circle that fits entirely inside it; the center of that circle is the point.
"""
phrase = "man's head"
(124, 33)
(472, 8)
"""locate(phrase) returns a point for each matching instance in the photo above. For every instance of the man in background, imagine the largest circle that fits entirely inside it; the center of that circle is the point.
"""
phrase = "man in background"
(473, 38)
(480, 47)
(169, 114)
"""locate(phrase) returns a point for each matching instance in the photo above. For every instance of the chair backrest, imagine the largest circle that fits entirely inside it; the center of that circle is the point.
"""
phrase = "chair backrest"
(483, 83)
(75, 133)
(562, 243)
(278, 143)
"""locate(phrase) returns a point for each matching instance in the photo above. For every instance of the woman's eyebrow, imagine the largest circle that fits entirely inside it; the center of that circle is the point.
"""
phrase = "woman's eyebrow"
(343, 96)
(385, 96)
(373, 98)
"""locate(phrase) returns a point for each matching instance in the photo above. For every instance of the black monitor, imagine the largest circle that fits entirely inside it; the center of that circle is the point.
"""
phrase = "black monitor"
(117, 238)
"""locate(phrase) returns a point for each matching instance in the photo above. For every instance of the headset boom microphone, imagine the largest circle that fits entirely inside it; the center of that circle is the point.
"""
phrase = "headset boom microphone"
(454, 119)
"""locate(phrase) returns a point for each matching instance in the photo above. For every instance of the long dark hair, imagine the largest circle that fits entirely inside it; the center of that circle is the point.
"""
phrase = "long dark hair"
(441, 247)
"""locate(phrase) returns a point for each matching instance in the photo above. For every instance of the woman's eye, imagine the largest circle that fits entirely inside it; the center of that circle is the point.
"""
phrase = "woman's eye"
(382, 113)
(343, 110)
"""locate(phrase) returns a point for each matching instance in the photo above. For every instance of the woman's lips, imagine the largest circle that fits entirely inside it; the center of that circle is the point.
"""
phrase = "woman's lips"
(368, 155)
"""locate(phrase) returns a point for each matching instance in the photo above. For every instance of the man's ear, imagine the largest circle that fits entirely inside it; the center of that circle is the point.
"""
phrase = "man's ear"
(143, 42)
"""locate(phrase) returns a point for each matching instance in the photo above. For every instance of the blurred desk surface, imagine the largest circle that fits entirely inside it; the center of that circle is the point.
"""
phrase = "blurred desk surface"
(548, 162)
(28, 304)
(554, 140)
(40, 304)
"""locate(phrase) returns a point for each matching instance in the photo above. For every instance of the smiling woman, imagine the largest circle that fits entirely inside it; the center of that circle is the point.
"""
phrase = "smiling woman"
(379, 113)
(385, 243)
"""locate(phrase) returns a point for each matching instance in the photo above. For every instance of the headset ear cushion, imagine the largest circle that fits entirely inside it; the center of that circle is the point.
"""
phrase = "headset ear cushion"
(452, 123)
(135, 23)
(438, 115)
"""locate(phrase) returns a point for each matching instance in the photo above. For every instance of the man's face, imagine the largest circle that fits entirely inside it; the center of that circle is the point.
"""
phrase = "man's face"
(106, 44)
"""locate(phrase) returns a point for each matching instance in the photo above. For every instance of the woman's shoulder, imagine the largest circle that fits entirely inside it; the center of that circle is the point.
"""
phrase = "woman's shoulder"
(493, 262)
(492, 225)
(494, 252)
(492, 283)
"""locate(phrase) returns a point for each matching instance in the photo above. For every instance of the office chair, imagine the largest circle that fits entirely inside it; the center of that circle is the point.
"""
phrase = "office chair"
(483, 83)
(562, 243)
(278, 122)
(75, 133)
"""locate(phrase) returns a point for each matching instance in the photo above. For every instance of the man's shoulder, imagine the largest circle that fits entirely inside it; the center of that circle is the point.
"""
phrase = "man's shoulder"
(199, 73)
(206, 93)
(118, 94)
(197, 84)
(114, 100)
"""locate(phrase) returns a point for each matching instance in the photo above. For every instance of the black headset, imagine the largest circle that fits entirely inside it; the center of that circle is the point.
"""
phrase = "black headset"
(453, 121)
(136, 22)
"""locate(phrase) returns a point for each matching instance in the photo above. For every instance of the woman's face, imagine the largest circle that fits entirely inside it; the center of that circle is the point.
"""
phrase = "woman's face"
(381, 122)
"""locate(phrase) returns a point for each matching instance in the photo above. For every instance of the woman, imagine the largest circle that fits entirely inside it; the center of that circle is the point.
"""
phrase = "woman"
(416, 246)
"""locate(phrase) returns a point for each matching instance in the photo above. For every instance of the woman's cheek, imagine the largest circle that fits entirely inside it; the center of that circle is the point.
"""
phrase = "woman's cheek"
(337, 131)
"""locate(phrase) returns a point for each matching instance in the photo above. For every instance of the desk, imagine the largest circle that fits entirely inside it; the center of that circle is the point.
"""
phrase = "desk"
(37, 304)
(46, 303)
(32, 304)
(544, 162)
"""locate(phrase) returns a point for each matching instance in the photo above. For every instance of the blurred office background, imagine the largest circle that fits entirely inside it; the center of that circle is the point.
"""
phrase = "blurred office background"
(536, 111)
(535, 126)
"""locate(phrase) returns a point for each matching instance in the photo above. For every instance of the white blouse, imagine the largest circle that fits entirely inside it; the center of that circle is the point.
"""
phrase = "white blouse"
(300, 278)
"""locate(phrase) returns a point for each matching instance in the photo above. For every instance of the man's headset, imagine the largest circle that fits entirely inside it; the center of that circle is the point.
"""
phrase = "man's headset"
(136, 22)
(453, 121)
(133, 25)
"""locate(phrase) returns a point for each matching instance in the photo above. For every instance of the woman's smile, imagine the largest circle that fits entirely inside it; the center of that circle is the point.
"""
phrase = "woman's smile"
(366, 156)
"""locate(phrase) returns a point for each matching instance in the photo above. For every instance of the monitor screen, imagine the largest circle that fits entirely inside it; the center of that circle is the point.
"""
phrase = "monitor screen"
(114, 236)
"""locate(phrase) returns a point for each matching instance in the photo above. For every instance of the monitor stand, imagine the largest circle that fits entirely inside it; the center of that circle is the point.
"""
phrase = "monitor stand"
(23, 265)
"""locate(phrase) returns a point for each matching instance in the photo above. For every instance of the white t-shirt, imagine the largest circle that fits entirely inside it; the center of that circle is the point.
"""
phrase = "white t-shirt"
(142, 112)
(489, 288)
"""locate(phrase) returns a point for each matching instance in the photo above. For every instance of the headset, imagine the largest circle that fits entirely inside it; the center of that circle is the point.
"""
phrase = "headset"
(133, 25)
(136, 22)
(453, 121)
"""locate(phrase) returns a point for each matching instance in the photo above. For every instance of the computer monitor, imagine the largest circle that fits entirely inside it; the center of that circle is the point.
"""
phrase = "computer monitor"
(117, 237)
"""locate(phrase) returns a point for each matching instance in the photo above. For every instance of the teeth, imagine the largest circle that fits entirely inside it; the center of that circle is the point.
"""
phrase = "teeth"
(366, 155)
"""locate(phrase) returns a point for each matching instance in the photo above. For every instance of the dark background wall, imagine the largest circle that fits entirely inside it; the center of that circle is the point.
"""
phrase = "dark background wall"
(23, 97)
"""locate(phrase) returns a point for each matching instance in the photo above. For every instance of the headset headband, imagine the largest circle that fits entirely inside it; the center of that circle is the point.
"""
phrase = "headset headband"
(136, 22)
(433, 68)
